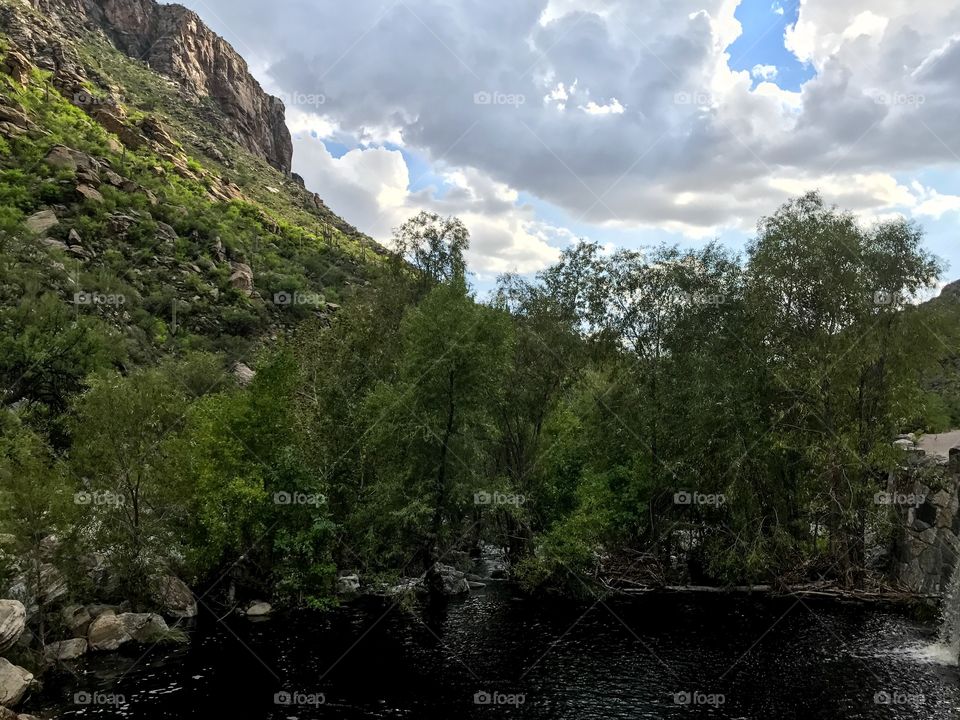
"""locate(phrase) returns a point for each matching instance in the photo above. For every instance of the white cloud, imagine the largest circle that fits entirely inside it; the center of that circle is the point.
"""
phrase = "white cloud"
(684, 143)
(764, 72)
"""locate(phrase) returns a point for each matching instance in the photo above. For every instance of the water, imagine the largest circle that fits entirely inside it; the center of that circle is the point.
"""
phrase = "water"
(947, 647)
(738, 658)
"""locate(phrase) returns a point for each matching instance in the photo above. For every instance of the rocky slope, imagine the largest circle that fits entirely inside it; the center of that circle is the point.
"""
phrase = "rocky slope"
(175, 42)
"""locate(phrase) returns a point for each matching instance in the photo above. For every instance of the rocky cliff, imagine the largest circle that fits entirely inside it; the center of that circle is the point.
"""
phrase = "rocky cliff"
(175, 42)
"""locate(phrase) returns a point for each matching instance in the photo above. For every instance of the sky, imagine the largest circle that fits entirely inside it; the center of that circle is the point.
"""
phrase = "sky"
(628, 123)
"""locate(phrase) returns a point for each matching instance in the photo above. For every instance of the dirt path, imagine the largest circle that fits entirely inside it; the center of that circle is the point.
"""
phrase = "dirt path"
(940, 443)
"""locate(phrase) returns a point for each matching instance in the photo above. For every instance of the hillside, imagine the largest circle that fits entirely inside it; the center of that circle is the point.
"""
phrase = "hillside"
(145, 193)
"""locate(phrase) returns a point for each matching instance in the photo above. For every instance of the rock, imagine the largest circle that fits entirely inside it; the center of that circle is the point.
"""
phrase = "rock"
(14, 682)
(65, 650)
(107, 632)
(14, 120)
(65, 158)
(16, 65)
(77, 620)
(144, 627)
(42, 221)
(166, 233)
(474, 585)
(96, 610)
(242, 278)
(112, 178)
(219, 254)
(73, 237)
(154, 129)
(174, 598)
(447, 580)
(348, 585)
(53, 243)
(298, 179)
(52, 587)
(13, 621)
(259, 609)
(243, 374)
(89, 193)
(904, 443)
(112, 120)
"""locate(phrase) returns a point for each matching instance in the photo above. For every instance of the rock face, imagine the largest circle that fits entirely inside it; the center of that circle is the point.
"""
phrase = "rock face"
(174, 41)
(14, 682)
(13, 621)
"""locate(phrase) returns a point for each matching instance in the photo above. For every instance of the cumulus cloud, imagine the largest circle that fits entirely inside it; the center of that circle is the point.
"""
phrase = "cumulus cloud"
(630, 114)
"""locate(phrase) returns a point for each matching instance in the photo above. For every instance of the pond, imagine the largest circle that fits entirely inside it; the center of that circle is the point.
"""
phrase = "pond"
(498, 653)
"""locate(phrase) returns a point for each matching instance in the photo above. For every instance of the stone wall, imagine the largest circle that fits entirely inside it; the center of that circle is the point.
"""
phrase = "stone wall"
(926, 495)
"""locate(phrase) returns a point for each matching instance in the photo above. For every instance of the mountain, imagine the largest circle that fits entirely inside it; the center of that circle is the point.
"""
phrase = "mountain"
(173, 41)
(146, 196)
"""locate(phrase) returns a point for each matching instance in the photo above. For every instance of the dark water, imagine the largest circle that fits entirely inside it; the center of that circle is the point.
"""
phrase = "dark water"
(730, 658)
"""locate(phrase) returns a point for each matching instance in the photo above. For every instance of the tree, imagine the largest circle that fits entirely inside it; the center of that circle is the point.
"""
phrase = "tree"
(123, 450)
(430, 425)
(434, 247)
(36, 508)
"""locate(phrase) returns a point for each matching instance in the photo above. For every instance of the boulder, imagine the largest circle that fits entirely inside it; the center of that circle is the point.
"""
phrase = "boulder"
(14, 682)
(52, 587)
(242, 278)
(243, 374)
(112, 119)
(144, 627)
(259, 609)
(65, 650)
(41, 221)
(174, 598)
(348, 585)
(89, 193)
(107, 632)
(447, 580)
(13, 621)
(65, 158)
(77, 620)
